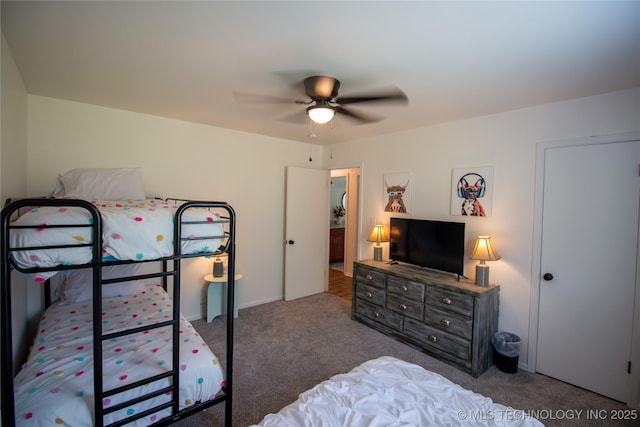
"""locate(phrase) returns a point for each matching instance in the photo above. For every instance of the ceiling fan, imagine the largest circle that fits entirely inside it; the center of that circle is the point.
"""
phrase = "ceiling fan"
(324, 102)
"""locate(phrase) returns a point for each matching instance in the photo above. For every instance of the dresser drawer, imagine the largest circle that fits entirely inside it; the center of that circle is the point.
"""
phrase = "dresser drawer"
(379, 314)
(450, 301)
(405, 306)
(437, 339)
(405, 288)
(371, 277)
(449, 321)
(370, 293)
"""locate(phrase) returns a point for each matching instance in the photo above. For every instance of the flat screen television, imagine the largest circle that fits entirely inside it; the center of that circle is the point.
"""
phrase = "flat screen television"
(426, 243)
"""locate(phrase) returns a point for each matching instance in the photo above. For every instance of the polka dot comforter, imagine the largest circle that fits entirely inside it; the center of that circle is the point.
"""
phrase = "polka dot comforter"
(131, 230)
(55, 385)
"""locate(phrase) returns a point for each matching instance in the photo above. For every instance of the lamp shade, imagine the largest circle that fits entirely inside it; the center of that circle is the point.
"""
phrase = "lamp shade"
(484, 250)
(378, 235)
(320, 114)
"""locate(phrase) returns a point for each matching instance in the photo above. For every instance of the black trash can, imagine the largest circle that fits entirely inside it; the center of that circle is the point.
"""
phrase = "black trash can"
(506, 351)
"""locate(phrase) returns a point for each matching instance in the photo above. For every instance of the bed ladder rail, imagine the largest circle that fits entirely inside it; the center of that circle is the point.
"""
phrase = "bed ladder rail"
(100, 337)
(228, 247)
(9, 213)
(174, 373)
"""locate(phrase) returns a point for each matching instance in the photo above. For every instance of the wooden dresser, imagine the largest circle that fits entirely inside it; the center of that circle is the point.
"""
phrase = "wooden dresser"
(448, 319)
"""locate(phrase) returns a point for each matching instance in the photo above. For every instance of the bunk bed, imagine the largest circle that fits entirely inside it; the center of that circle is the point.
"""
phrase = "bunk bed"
(155, 368)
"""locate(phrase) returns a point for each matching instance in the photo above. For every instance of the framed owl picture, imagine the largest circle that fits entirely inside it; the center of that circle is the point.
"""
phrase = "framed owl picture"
(397, 192)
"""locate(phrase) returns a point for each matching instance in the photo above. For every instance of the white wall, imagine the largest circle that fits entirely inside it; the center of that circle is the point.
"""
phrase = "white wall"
(13, 152)
(189, 160)
(179, 159)
(505, 141)
(13, 177)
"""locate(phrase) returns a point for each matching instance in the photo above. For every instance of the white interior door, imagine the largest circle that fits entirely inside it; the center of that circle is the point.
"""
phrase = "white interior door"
(306, 232)
(589, 246)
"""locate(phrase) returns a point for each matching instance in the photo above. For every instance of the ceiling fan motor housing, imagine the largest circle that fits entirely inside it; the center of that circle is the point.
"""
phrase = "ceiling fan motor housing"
(321, 87)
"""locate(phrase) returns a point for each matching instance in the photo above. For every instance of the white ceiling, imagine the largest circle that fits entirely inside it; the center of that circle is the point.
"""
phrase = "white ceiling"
(454, 60)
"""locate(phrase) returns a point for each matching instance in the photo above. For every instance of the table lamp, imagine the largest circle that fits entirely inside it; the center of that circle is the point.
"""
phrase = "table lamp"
(483, 251)
(218, 266)
(378, 235)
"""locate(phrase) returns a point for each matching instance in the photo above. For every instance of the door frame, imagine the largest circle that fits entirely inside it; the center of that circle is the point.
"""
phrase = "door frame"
(352, 222)
(536, 265)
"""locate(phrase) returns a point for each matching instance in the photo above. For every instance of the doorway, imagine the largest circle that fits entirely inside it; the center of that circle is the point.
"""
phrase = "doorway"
(343, 229)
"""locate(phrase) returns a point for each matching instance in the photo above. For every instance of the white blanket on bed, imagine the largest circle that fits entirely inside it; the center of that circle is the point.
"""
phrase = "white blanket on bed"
(55, 385)
(387, 392)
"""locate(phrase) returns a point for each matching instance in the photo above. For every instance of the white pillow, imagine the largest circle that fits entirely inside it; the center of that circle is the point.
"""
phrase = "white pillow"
(101, 184)
(78, 284)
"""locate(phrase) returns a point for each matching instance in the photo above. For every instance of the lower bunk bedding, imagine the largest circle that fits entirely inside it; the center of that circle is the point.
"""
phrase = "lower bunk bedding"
(55, 385)
(387, 392)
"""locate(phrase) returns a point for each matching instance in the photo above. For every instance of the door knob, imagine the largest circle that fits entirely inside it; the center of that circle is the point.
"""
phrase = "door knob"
(547, 276)
(291, 242)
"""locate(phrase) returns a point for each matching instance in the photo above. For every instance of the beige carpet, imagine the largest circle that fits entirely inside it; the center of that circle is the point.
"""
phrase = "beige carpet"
(284, 348)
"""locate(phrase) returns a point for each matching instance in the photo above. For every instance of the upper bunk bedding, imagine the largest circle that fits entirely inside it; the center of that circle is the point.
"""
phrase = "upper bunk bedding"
(55, 385)
(131, 230)
(388, 392)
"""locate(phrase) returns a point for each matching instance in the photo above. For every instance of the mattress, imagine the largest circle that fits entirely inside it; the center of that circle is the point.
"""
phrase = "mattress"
(131, 230)
(387, 392)
(55, 385)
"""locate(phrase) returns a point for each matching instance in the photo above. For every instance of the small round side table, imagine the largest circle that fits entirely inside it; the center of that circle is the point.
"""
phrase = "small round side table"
(217, 296)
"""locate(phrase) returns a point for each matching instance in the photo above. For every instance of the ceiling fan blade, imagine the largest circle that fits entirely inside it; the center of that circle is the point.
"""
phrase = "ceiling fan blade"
(294, 79)
(359, 117)
(321, 87)
(252, 98)
(299, 117)
(390, 95)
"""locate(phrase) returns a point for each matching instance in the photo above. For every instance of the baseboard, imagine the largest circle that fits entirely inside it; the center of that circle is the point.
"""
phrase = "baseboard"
(260, 302)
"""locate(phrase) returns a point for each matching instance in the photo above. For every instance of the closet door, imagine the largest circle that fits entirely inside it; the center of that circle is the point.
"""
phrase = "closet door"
(589, 253)
(306, 232)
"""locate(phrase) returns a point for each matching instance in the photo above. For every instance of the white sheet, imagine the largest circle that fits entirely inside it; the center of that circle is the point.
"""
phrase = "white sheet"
(55, 386)
(388, 392)
(132, 230)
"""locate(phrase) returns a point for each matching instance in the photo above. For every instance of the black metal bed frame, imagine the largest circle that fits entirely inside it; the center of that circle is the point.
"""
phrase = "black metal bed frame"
(8, 264)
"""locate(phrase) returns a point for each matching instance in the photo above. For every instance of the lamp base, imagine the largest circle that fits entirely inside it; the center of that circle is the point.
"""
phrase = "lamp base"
(377, 253)
(218, 268)
(482, 275)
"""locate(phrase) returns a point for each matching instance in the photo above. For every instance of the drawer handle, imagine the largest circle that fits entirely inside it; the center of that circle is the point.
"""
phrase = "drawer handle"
(404, 288)
(376, 314)
(369, 294)
(432, 338)
(369, 277)
(445, 322)
(446, 300)
(402, 307)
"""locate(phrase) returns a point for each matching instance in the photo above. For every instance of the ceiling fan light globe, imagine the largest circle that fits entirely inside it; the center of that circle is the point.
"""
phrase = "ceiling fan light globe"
(320, 114)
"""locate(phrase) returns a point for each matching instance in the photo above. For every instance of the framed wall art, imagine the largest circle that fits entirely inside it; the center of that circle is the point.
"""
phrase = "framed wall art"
(472, 191)
(397, 192)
